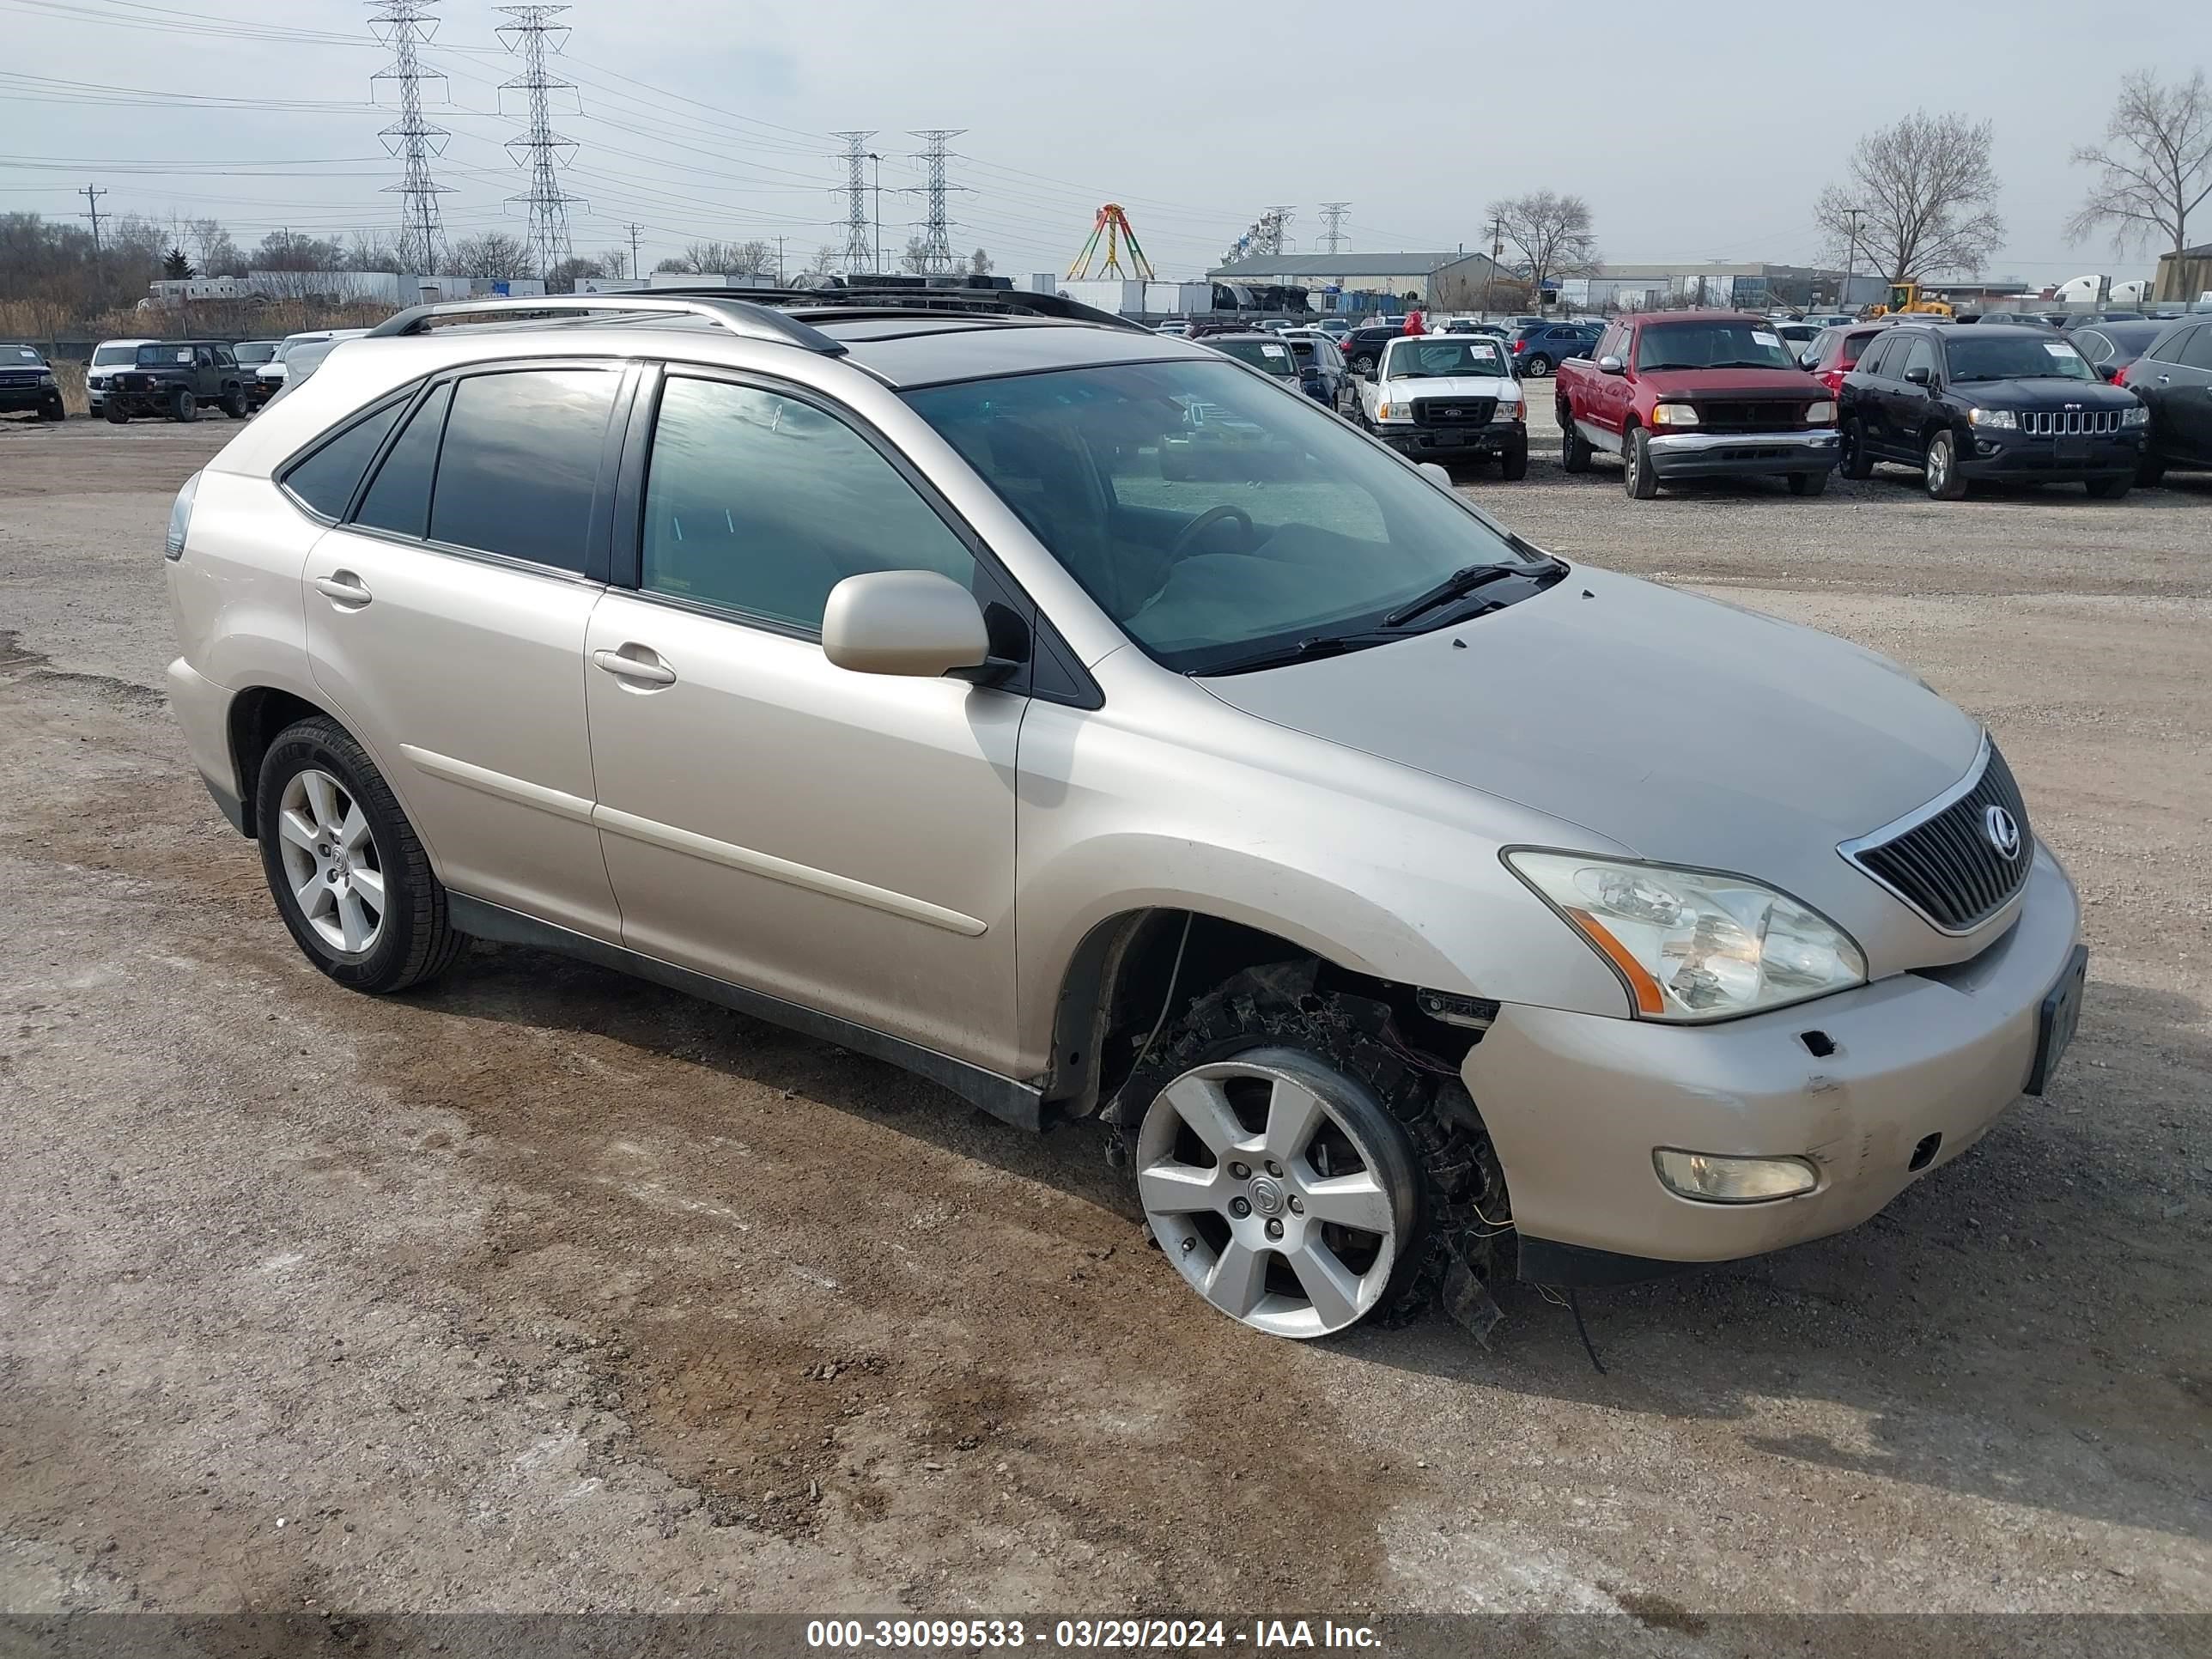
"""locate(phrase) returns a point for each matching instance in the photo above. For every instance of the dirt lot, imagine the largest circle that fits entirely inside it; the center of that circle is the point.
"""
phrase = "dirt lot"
(549, 1290)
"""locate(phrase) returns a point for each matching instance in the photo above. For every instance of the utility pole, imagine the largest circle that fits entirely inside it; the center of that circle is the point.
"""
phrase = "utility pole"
(91, 194)
(1332, 219)
(1496, 252)
(405, 26)
(634, 272)
(779, 262)
(1851, 255)
(878, 160)
(855, 259)
(937, 228)
(531, 34)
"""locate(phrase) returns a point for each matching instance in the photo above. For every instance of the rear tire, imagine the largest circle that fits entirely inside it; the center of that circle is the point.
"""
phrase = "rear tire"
(1575, 451)
(1855, 463)
(1807, 484)
(1940, 464)
(1413, 1130)
(1637, 476)
(331, 830)
(2111, 489)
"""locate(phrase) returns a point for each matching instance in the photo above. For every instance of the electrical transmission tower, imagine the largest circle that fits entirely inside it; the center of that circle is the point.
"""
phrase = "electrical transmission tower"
(857, 257)
(1332, 218)
(937, 229)
(1277, 220)
(406, 26)
(531, 36)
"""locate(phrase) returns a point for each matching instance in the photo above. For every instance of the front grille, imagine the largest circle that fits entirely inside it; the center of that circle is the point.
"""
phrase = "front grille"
(1945, 864)
(1750, 416)
(2070, 422)
(1454, 411)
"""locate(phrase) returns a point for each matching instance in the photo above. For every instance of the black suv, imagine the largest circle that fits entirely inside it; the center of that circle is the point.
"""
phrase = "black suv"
(2173, 377)
(27, 383)
(176, 377)
(1362, 347)
(1539, 348)
(1967, 402)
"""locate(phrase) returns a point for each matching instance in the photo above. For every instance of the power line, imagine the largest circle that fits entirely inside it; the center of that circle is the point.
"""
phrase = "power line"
(532, 33)
(936, 229)
(856, 256)
(405, 25)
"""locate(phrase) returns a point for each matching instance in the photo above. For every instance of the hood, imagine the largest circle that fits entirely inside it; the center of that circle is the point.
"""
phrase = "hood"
(1689, 731)
(2043, 391)
(1504, 387)
(1692, 384)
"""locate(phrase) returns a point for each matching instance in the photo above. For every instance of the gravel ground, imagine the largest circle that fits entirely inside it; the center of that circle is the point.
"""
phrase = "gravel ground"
(547, 1290)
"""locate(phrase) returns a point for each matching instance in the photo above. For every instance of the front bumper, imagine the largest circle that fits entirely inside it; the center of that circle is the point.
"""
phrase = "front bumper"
(1430, 443)
(2001, 455)
(1742, 454)
(36, 395)
(1576, 1103)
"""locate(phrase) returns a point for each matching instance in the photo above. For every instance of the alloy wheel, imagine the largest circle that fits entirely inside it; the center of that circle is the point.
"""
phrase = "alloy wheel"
(331, 861)
(1939, 465)
(1267, 1196)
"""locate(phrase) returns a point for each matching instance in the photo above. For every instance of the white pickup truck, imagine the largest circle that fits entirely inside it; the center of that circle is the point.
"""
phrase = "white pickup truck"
(1447, 398)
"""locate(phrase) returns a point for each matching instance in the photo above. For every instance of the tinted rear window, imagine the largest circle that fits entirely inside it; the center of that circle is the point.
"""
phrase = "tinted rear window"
(327, 479)
(399, 499)
(520, 461)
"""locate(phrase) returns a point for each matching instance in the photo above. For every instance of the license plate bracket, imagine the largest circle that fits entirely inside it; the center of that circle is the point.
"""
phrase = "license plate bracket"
(2056, 1021)
(2071, 449)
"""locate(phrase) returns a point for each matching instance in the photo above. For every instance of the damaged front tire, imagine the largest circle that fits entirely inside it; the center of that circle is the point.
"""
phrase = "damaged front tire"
(1306, 1171)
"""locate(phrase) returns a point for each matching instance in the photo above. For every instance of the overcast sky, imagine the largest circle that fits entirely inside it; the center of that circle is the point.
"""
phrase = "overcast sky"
(1693, 136)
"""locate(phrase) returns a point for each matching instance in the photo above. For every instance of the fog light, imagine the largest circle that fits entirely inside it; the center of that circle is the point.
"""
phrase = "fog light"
(1712, 1178)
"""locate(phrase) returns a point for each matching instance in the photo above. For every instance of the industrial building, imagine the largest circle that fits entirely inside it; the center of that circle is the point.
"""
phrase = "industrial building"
(1751, 286)
(1443, 281)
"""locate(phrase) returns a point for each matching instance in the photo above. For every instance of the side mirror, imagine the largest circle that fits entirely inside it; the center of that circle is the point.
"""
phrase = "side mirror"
(1439, 476)
(1808, 359)
(916, 623)
(1610, 364)
(1919, 376)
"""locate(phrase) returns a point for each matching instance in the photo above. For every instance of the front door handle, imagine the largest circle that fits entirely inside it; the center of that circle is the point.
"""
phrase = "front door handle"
(635, 662)
(343, 589)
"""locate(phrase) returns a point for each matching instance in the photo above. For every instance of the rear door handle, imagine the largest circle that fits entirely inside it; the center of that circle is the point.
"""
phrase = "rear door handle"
(642, 664)
(344, 589)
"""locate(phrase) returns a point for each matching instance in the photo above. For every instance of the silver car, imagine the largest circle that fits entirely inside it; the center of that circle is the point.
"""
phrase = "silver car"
(1089, 723)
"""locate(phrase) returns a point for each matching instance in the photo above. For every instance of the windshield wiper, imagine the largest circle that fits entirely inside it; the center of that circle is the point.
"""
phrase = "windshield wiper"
(1458, 585)
(1310, 649)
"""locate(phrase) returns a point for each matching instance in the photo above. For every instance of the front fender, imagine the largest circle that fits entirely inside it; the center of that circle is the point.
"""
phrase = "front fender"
(1378, 868)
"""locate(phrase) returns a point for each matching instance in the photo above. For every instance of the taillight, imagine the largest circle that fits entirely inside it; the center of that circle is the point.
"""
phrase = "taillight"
(2120, 375)
(1520, 346)
(1834, 379)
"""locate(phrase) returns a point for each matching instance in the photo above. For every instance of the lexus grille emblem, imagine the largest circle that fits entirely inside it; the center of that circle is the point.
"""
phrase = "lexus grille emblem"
(2004, 832)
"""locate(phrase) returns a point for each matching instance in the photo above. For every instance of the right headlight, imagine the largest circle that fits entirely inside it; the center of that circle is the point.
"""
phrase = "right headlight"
(1691, 944)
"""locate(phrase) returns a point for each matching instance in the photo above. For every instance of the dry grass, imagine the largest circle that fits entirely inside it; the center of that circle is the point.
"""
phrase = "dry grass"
(71, 378)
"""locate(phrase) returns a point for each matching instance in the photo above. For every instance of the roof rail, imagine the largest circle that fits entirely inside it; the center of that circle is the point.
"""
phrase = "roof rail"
(742, 317)
(863, 292)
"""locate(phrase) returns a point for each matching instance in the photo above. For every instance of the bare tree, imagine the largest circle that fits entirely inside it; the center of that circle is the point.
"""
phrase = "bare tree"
(1917, 197)
(2155, 168)
(826, 260)
(722, 259)
(495, 254)
(285, 250)
(562, 279)
(370, 252)
(1551, 232)
(219, 255)
(979, 263)
(915, 259)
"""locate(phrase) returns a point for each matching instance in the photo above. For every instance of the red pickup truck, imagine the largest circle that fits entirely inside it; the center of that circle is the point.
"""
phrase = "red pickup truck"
(1696, 394)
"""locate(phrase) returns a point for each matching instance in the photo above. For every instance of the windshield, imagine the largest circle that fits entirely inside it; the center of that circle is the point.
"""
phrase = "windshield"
(257, 351)
(164, 357)
(1261, 354)
(107, 355)
(21, 353)
(1711, 345)
(1435, 359)
(1212, 517)
(2020, 358)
